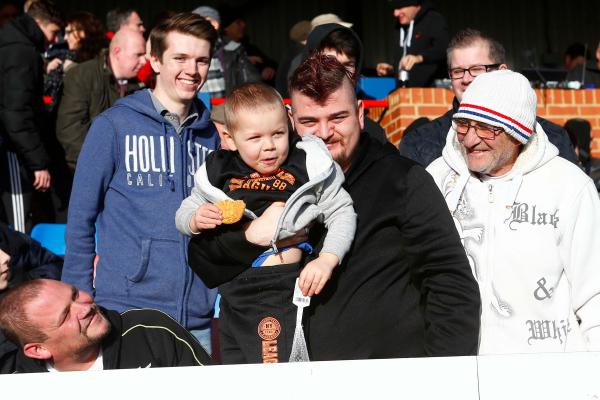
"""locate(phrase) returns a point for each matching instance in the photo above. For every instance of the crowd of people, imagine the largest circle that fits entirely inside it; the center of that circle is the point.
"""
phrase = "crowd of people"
(478, 236)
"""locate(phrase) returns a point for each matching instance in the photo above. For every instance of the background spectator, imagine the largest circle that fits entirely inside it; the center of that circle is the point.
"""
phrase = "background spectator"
(123, 18)
(85, 37)
(234, 27)
(24, 160)
(589, 73)
(215, 81)
(580, 131)
(575, 55)
(422, 38)
(95, 85)
(298, 35)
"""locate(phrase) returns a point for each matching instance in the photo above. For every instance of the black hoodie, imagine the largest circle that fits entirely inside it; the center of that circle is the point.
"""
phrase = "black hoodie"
(21, 88)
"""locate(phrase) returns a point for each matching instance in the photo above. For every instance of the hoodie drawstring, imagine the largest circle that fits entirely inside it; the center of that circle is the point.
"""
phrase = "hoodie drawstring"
(168, 158)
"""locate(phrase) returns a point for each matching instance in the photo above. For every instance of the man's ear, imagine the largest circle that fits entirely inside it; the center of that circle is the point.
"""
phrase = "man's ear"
(503, 66)
(155, 63)
(36, 350)
(360, 109)
(290, 116)
(229, 141)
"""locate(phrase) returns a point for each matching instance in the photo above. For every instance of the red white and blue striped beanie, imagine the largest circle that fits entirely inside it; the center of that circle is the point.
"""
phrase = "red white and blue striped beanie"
(504, 99)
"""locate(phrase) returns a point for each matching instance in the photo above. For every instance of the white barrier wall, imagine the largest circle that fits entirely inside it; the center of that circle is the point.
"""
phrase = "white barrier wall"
(535, 377)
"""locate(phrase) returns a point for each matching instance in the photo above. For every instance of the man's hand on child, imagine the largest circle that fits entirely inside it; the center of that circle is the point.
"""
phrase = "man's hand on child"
(207, 216)
(316, 273)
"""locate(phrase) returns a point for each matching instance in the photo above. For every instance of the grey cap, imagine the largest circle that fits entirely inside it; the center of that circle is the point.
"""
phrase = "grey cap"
(208, 12)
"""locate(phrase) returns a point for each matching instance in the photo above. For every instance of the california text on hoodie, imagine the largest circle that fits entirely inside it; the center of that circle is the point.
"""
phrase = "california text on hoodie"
(133, 173)
(533, 243)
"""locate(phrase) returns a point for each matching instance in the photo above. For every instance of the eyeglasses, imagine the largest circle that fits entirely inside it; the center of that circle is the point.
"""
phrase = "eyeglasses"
(483, 131)
(475, 70)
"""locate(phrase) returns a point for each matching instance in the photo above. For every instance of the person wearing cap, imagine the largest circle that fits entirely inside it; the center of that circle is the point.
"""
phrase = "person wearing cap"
(328, 18)
(528, 219)
(470, 53)
(215, 80)
(422, 38)
(321, 28)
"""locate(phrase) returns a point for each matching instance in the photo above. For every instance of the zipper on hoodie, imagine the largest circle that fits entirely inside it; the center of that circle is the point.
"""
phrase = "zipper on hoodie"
(487, 269)
(187, 287)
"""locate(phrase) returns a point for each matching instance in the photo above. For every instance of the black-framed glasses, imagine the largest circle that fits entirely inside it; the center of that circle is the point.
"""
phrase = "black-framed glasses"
(475, 70)
(484, 131)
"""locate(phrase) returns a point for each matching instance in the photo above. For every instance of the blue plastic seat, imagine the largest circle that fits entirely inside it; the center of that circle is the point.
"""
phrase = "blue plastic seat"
(376, 88)
(205, 97)
(51, 236)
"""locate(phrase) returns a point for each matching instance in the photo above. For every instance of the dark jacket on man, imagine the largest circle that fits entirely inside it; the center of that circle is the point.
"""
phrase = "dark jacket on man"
(424, 144)
(89, 88)
(405, 289)
(140, 338)
(28, 259)
(21, 88)
(430, 39)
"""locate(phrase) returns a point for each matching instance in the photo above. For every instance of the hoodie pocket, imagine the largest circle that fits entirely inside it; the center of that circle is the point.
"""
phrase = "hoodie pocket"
(157, 278)
(143, 263)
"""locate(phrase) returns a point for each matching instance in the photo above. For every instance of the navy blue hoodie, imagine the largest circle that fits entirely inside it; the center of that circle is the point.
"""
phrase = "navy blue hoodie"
(133, 172)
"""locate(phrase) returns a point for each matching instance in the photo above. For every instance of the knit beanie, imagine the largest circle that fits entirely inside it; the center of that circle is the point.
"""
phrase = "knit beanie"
(208, 12)
(501, 98)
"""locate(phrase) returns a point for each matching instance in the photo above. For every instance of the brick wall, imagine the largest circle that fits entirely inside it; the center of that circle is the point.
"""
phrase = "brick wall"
(557, 105)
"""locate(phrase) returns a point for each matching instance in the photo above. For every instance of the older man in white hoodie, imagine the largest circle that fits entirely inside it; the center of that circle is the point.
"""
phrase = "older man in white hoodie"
(529, 221)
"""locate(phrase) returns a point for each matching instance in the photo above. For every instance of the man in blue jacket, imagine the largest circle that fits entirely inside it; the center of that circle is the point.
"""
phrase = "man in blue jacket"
(136, 166)
(470, 53)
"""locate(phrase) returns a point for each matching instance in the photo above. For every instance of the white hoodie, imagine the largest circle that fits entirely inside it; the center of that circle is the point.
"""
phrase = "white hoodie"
(532, 238)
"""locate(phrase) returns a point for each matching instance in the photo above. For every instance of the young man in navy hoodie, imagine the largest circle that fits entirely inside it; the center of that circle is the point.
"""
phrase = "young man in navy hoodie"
(136, 166)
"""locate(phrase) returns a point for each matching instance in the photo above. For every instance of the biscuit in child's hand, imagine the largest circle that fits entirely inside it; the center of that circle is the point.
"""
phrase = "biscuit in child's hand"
(232, 210)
